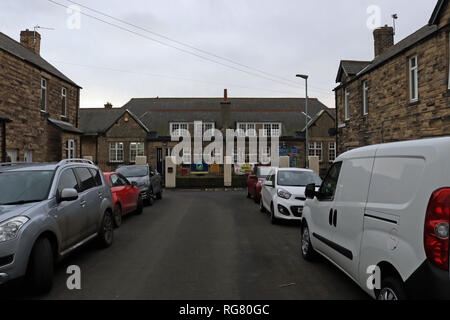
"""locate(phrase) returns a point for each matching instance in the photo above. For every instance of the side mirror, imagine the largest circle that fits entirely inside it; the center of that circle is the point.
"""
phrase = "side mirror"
(68, 195)
(268, 184)
(310, 191)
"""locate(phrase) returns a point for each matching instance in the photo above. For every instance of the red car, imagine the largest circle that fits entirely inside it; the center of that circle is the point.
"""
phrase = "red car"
(255, 181)
(126, 196)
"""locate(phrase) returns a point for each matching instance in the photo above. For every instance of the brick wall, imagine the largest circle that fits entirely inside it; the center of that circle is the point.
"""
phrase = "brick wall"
(20, 85)
(391, 115)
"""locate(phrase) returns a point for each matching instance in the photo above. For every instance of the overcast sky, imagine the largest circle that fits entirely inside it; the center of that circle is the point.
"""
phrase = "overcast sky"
(279, 37)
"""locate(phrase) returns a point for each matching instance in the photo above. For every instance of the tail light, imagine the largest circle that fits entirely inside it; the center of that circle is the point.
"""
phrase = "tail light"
(436, 228)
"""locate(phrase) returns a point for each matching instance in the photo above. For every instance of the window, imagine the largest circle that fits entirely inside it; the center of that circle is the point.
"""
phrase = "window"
(97, 177)
(246, 127)
(67, 180)
(346, 104)
(63, 102)
(315, 150)
(413, 79)
(70, 149)
(365, 98)
(176, 128)
(329, 185)
(116, 152)
(136, 150)
(117, 180)
(86, 179)
(207, 126)
(43, 94)
(12, 155)
(332, 151)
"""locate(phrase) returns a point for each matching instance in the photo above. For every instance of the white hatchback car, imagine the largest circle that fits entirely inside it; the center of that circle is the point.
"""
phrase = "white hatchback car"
(382, 217)
(283, 192)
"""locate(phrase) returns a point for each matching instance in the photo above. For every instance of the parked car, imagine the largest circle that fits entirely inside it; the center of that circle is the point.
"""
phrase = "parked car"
(47, 211)
(126, 196)
(385, 209)
(283, 193)
(255, 181)
(149, 181)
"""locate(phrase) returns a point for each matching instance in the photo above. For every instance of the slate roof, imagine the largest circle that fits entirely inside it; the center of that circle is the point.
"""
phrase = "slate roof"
(158, 113)
(401, 46)
(95, 121)
(16, 49)
(64, 126)
(351, 68)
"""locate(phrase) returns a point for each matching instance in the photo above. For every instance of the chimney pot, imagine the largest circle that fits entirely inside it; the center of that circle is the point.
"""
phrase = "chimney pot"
(108, 105)
(31, 40)
(383, 39)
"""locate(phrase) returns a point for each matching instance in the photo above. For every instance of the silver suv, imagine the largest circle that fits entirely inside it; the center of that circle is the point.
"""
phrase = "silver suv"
(46, 211)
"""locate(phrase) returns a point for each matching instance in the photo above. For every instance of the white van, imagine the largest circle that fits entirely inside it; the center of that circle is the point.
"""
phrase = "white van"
(382, 217)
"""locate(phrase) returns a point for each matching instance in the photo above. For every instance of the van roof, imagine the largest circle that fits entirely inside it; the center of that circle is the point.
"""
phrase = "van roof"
(412, 147)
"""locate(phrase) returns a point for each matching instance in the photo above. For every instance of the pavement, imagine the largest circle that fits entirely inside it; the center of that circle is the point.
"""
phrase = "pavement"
(200, 246)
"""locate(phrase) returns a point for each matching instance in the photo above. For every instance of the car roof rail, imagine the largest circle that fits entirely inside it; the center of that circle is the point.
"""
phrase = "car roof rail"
(67, 161)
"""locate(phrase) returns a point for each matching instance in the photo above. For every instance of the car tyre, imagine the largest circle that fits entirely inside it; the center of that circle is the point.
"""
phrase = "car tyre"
(150, 199)
(249, 196)
(106, 233)
(140, 206)
(307, 249)
(40, 267)
(391, 289)
(159, 195)
(273, 219)
(117, 216)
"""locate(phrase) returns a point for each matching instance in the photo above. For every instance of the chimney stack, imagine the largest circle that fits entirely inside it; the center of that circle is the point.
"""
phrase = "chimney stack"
(384, 39)
(31, 40)
(225, 110)
(108, 105)
(225, 95)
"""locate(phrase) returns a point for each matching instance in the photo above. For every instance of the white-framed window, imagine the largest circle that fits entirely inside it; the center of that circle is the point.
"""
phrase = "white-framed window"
(413, 79)
(43, 94)
(346, 104)
(315, 150)
(136, 150)
(246, 127)
(28, 156)
(187, 158)
(116, 152)
(365, 98)
(177, 127)
(63, 102)
(272, 129)
(207, 126)
(70, 149)
(332, 151)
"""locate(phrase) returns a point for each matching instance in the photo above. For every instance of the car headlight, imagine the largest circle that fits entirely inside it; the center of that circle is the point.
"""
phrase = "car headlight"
(9, 229)
(284, 194)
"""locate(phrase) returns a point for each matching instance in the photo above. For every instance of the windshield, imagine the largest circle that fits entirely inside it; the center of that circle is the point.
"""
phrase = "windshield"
(134, 171)
(298, 178)
(262, 172)
(24, 186)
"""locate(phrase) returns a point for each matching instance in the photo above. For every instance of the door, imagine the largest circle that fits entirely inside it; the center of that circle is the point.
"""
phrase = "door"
(349, 208)
(130, 197)
(91, 196)
(159, 160)
(322, 212)
(267, 192)
(70, 216)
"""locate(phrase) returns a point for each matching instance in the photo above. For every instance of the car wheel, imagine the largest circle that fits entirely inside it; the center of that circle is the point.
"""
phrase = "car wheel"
(40, 267)
(261, 206)
(308, 252)
(117, 216)
(255, 196)
(391, 289)
(159, 195)
(106, 234)
(249, 196)
(150, 198)
(140, 206)
(273, 219)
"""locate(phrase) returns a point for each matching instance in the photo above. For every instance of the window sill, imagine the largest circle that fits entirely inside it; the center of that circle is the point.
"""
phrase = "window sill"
(413, 103)
(446, 94)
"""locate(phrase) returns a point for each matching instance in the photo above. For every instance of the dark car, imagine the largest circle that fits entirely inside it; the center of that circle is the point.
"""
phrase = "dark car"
(147, 180)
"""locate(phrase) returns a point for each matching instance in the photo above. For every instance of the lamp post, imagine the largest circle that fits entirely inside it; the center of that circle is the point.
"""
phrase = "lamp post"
(305, 77)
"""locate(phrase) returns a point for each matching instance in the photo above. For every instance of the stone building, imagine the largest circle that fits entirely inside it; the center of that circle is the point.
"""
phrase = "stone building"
(402, 93)
(151, 121)
(39, 106)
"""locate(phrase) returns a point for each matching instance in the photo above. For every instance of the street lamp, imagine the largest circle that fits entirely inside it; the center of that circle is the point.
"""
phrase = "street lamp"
(305, 77)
